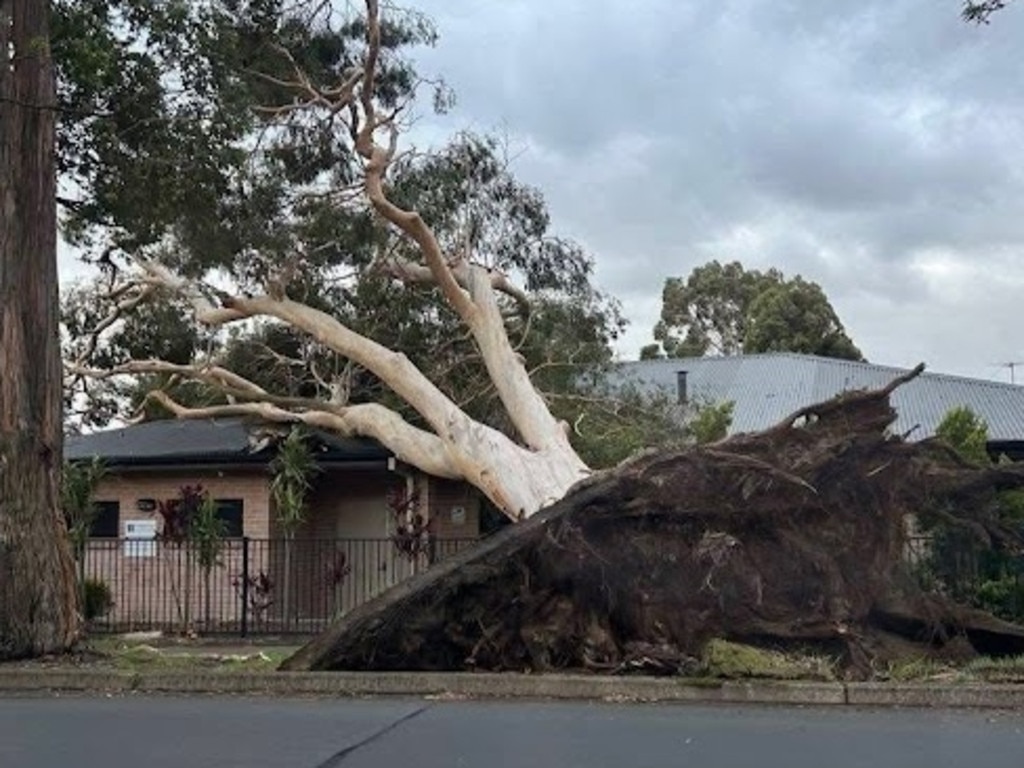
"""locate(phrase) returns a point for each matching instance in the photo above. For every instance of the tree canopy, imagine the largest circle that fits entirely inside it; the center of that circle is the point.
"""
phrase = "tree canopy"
(726, 309)
(270, 247)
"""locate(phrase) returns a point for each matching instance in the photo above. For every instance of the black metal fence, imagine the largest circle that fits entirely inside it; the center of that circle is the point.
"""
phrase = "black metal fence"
(956, 563)
(245, 586)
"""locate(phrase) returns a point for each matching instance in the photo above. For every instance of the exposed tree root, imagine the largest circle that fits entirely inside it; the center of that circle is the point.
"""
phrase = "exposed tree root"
(791, 536)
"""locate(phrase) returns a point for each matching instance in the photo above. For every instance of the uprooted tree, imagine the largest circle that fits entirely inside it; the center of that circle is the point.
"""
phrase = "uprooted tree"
(793, 537)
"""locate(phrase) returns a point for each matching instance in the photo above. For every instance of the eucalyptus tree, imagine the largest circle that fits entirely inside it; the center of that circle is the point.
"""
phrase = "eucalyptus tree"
(399, 291)
(727, 309)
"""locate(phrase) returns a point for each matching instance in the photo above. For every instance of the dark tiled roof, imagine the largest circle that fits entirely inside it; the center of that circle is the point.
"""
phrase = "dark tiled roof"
(768, 387)
(221, 441)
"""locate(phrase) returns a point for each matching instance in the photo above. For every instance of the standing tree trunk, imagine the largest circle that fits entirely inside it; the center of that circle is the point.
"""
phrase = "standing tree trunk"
(37, 592)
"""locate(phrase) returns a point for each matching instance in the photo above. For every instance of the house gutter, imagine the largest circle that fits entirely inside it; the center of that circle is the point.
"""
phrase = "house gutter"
(133, 467)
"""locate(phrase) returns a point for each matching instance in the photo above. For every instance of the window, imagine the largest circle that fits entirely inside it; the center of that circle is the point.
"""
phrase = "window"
(229, 511)
(106, 520)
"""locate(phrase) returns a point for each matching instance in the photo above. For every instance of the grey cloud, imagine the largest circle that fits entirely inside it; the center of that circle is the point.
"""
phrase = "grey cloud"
(853, 142)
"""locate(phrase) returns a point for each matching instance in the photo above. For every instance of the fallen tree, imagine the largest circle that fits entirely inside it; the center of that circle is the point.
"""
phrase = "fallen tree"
(791, 537)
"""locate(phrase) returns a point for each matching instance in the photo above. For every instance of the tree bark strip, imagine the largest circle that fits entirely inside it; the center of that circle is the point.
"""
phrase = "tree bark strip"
(38, 612)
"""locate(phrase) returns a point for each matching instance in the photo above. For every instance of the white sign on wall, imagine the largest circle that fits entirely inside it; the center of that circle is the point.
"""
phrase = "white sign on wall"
(141, 538)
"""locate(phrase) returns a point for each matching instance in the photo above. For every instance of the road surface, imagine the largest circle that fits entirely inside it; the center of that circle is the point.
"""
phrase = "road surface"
(215, 732)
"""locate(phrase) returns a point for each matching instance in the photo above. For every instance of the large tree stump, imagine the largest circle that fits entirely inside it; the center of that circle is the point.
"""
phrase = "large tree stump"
(791, 536)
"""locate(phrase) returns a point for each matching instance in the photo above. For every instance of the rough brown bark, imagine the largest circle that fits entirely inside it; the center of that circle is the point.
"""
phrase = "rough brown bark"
(37, 593)
(791, 537)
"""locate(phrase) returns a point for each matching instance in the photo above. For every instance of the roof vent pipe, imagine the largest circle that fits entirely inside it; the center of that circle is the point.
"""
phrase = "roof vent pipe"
(681, 394)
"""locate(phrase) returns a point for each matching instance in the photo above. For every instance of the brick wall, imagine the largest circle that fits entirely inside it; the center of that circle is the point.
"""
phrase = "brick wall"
(251, 486)
(161, 585)
(455, 509)
(347, 529)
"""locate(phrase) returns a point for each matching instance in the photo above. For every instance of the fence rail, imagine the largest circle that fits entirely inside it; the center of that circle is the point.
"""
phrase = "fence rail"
(249, 586)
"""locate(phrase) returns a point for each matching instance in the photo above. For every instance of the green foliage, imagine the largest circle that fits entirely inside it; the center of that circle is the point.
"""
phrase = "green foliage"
(1003, 596)
(710, 423)
(796, 316)
(192, 519)
(159, 136)
(293, 468)
(958, 562)
(1004, 669)
(979, 11)
(707, 312)
(965, 432)
(728, 310)
(79, 481)
(651, 352)
(611, 427)
(569, 328)
(206, 533)
(97, 599)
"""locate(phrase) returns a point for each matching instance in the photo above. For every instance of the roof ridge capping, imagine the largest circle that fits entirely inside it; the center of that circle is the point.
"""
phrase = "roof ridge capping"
(832, 361)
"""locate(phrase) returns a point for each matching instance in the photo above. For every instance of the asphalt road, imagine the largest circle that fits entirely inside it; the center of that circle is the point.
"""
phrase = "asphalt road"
(201, 732)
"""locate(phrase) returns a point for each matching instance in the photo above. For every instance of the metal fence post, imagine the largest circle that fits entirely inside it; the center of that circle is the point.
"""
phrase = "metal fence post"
(245, 586)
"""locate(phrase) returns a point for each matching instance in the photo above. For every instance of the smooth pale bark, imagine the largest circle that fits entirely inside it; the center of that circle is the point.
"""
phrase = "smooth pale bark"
(38, 612)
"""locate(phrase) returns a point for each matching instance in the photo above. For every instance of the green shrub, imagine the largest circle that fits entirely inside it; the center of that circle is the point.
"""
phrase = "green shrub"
(1003, 596)
(97, 599)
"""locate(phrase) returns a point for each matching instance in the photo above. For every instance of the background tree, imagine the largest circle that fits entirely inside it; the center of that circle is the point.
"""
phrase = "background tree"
(728, 310)
(707, 312)
(37, 581)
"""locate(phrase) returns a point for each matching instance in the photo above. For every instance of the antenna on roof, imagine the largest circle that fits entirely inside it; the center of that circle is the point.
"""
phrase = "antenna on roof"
(1012, 365)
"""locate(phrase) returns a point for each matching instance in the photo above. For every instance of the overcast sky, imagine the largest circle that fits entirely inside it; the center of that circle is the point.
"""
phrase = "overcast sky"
(876, 147)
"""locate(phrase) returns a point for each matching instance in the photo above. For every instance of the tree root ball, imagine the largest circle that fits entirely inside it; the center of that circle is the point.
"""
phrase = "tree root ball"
(791, 537)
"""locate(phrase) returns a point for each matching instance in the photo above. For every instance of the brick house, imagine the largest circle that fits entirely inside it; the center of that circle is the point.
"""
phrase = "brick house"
(347, 550)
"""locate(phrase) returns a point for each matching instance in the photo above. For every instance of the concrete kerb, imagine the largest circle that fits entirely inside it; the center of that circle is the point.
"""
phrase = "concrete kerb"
(484, 685)
(973, 695)
(510, 686)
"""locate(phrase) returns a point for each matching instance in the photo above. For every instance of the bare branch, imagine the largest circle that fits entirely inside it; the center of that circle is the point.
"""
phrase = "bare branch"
(198, 296)
(214, 375)
(409, 271)
(409, 444)
(138, 294)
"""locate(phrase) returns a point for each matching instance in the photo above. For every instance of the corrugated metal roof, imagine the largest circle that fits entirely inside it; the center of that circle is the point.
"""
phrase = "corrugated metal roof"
(174, 442)
(768, 387)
